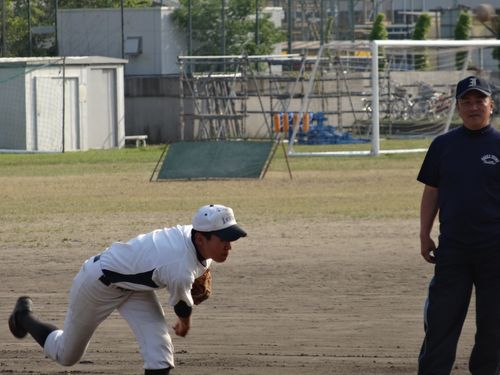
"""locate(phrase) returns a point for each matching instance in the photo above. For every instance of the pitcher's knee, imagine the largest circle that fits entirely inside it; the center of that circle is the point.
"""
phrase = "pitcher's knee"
(58, 349)
(69, 359)
(68, 362)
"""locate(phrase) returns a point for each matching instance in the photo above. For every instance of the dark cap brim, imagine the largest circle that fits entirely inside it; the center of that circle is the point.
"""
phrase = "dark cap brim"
(231, 233)
(485, 92)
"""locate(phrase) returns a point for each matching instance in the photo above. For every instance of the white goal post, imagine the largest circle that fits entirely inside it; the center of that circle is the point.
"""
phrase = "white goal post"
(374, 50)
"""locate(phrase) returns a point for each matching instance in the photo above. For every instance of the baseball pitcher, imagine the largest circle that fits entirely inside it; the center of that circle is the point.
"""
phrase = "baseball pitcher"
(125, 277)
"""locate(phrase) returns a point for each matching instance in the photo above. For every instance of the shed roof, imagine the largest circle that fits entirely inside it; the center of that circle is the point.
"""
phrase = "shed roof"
(63, 60)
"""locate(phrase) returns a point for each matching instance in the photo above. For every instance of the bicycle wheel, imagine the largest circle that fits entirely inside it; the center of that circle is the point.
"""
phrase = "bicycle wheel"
(421, 109)
(398, 110)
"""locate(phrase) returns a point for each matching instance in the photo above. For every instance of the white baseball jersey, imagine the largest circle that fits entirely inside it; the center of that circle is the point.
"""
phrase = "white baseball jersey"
(125, 277)
(164, 258)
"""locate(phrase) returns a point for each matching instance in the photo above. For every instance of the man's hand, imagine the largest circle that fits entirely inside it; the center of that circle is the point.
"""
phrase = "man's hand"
(181, 327)
(428, 211)
(427, 249)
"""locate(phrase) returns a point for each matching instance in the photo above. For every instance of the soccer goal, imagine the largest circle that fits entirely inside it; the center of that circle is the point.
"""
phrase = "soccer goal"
(389, 89)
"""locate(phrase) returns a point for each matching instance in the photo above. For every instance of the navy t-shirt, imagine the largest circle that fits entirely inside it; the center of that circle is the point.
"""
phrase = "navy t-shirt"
(465, 166)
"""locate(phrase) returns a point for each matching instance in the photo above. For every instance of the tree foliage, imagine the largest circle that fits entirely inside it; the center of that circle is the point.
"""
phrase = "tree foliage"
(379, 31)
(422, 27)
(463, 27)
(69, 4)
(463, 30)
(18, 17)
(236, 27)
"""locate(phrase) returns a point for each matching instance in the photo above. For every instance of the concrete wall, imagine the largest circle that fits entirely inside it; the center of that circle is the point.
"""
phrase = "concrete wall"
(84, 32)
(153, 108)
(157, 117)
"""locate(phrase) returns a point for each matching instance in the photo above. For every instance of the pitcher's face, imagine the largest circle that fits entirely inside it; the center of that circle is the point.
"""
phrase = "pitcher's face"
(214, 248)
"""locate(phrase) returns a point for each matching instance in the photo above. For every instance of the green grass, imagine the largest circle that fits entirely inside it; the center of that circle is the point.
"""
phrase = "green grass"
(135, 159)
(94, 161)
(108, 182)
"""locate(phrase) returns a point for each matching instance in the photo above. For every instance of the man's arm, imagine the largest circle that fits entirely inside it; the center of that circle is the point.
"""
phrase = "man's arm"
(428, 212)
(183, 324)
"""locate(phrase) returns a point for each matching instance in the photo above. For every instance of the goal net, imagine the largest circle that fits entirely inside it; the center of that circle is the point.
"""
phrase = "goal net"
(388, 89)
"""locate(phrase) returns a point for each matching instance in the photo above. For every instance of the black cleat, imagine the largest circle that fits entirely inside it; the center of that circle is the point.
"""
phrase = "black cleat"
(23, 305)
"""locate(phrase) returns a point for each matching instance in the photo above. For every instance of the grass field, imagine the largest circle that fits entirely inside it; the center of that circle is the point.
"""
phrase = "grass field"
(354, 187)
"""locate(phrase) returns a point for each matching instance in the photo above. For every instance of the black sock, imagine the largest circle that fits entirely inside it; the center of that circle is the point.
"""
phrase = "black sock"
(36, 328)
(163, 371)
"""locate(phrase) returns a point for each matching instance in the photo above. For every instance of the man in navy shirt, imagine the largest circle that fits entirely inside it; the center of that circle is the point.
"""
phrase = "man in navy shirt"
(461, 174)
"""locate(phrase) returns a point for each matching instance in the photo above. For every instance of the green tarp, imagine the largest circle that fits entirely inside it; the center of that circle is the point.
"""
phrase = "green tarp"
(216, 159)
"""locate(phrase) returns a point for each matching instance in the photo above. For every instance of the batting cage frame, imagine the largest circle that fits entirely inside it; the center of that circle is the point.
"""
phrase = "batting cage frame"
(215, 92)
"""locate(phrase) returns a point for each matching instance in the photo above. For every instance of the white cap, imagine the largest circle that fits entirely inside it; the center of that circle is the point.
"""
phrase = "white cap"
(219, 220)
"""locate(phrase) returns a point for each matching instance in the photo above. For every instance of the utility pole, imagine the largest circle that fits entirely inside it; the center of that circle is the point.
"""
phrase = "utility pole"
(223, 27)
(4, 30)
(289, 20)
(29, 30)
(321, 22)
(257, 38)
(56, 8)
(351, 19)
(123, 33)
(190, 28)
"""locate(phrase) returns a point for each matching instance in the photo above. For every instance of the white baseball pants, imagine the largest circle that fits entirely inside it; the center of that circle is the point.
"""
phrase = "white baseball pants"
(91, 302)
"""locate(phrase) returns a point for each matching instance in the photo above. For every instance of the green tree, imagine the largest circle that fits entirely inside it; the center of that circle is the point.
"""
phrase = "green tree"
(76, 4)
(18, 17)
(379, 32)
(421, 32)
(422, 27)
(237, 33)
(462, 32)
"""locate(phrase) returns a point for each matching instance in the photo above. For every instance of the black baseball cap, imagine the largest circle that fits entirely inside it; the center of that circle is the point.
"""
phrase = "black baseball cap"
(472, 83)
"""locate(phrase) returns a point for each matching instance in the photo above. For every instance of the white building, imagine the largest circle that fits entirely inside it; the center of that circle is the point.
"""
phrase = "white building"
(151, 39)
(39, 113)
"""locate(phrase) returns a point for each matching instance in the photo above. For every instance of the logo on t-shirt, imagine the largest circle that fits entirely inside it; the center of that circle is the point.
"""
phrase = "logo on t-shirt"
(490, 159)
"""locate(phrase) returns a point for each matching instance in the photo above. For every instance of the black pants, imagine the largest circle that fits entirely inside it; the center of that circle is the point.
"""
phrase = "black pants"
(456, 272)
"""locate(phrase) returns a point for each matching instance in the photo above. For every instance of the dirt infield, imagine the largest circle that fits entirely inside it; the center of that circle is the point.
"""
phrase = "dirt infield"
(341, 298)
(314, 294)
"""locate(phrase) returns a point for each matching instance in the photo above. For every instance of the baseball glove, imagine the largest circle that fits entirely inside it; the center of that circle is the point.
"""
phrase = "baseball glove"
(202, 287)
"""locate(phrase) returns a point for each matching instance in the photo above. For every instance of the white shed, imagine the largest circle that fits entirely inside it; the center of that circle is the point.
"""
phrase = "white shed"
(39, 113)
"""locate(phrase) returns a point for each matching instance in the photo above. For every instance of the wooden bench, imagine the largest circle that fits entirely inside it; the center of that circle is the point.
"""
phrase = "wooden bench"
(139, 139)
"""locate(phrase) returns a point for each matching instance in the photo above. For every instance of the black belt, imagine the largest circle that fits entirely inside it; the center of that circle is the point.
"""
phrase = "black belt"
(106, 281)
